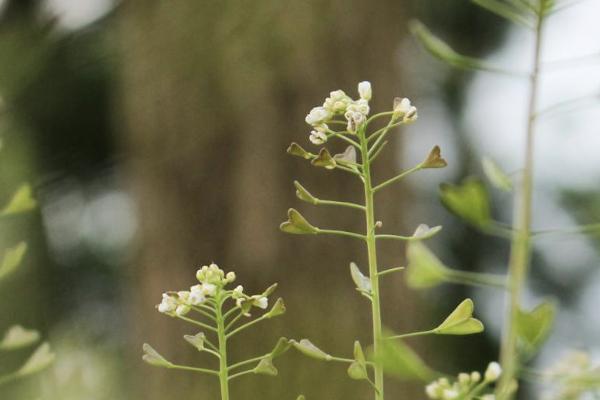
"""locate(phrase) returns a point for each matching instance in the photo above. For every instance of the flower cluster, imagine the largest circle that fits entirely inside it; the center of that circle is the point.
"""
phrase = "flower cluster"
(355, 112)
(466, 386)
(572, 377)
(211, 280)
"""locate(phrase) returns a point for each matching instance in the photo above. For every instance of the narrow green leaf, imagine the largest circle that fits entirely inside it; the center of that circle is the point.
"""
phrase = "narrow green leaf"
(306, 347)
(469, 200)
(324, 159)
(496, 176)
(282, 345)
(304, 194)
(363, 284)
(21, 201)
(12, 259)
(266, 367)
(152, 357)
(424, 269)
(41, 358)
(297, 224)
(533, 327)
(460, 321)
(18, 337)
(399, 360)
(506, 11)
(439, 49)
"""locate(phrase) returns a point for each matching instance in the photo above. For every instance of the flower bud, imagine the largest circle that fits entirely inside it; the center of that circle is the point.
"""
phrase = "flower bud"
(493, 372)
(364, 90)
(230, 277)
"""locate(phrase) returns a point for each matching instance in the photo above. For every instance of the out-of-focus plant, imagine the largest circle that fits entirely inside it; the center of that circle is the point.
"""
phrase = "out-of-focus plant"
(524, 330)
(17, 337)
(346, 120)
(221, 313)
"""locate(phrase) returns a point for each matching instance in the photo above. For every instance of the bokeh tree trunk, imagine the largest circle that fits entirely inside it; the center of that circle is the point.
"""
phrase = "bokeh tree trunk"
(212, 94)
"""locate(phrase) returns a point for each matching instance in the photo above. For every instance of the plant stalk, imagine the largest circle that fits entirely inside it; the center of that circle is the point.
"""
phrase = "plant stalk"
(521, 241)
(223, 370)
(372, 257)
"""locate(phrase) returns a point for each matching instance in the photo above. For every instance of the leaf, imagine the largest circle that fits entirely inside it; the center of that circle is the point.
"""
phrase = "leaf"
(460, 321)
(399, 360)
(469, 200)
(266, 367)
(196, 340)
(363, 284)
(282, 345)
(424, 269)
(439, 49)
(21, 201)
(358, 368)
(277, 309)
(434, 159)
(297, 224)
(306, 347)
(495, 175)
(533, 327)
(18, 337)
(152, 357)
(41, 358)
(12, 258)
(348, 156)
(304, 194)
(324, 160)
(505, 11)
(296, 150)
(425, 232)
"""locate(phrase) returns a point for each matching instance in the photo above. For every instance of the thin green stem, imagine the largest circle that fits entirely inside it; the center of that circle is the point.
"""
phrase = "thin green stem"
(396, 237)
(477, 279)
(389, 271)
(233, 321)
(193, 321)
(202, 312)
(223, 370)
(250, 371)
(412, 334)
(340, 233)
(248, 361)
(194, 369)
(521, 242)
(347, 139)
(397, 177)
(377, 152)
(339, 203)
(246, 325)
(372, 257)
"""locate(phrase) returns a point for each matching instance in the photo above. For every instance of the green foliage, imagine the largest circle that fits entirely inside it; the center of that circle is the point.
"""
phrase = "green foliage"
(402, 362)
(533, 327)
(469, 200)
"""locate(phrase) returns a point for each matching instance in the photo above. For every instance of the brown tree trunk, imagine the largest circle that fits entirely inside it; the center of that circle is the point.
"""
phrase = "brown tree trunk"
(212, 94)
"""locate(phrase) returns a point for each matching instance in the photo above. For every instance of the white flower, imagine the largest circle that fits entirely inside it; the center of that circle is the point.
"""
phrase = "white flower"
(182, 309)
(432, 390)
(318, 137)
(209, 289)
(196, 295)
(184, 296)
(168, 304)
(405, 110)
(493, 371)
(317, 116)
(450, 394)
(238, 292)
(359, 106)
(355, 119)
(337, 102)
(260, 302)
(364, 90)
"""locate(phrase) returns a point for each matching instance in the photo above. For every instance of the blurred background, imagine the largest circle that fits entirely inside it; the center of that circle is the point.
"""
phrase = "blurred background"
(154, 133)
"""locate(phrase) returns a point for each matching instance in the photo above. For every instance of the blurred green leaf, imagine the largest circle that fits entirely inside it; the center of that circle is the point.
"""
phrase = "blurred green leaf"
(399, 360)
(439, 49)
(460, 321)
(12, 258)
(469, 200)
(41, 358)
(424, 269)
(496, 176)
(18, 337)
(297, 224)
(425, 232)
(21, 201)
(533, 327)
(506, 10)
